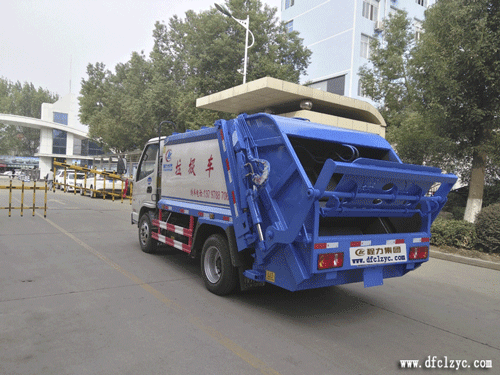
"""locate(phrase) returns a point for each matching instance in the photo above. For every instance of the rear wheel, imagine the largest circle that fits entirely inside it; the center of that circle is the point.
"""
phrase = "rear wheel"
(220, 276)
(148, 244)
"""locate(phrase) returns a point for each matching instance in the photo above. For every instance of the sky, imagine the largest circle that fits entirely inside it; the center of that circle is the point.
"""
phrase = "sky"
(50, 42)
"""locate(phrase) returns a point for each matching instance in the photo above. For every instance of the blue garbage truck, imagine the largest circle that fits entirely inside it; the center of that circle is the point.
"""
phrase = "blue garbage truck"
(269, 199)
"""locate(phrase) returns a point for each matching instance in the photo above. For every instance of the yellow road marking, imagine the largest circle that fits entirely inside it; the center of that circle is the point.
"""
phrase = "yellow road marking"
(195, 321)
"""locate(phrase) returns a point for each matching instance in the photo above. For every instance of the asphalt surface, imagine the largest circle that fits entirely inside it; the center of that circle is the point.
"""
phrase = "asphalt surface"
(77, 296)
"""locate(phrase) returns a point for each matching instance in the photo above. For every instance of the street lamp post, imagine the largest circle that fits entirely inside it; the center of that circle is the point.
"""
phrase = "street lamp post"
(245, 24)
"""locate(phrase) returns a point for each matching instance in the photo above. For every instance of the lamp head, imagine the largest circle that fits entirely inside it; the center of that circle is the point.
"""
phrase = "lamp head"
(306, 104)
(223, 10)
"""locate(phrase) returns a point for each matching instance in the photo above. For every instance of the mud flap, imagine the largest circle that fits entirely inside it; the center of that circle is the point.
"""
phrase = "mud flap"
(373, 276)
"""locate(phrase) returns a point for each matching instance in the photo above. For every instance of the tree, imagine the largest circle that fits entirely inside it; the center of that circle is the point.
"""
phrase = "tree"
(440, 96)
(22, 100)
(208, 48)
(389, 80)
(459, 76)
(192, 57)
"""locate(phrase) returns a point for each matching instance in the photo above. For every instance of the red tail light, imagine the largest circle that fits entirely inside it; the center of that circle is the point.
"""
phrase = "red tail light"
(420, 252)
(330, 260)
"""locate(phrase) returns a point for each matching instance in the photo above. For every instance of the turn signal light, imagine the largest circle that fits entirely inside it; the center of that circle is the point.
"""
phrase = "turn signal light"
(330, 260)
(420, 252)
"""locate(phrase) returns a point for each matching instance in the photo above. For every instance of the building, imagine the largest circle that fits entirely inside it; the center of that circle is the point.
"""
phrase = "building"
(288, 99)
(338, 33)
(61, 134)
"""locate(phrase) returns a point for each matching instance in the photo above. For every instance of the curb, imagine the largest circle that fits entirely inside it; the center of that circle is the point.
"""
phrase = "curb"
(464, 260)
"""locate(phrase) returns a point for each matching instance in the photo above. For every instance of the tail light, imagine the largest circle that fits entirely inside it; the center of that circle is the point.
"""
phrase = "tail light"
(330, 260)
(420, 252)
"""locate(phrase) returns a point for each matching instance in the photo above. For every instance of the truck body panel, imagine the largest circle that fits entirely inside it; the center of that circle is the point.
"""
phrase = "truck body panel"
(193, 172)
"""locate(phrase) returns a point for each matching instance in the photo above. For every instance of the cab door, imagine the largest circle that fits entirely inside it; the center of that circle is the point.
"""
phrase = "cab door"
(145, 181)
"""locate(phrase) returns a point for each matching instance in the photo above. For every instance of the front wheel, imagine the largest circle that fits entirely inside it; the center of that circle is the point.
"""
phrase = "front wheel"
(148, 244)
(220, 276)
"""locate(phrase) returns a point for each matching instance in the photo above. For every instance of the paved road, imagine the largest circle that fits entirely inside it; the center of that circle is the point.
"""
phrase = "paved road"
(77, 296)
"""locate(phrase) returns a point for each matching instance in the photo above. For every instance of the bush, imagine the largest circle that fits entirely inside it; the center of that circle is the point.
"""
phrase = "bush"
(455, 233)
(488, 228)
(491, 194)
(458, 213)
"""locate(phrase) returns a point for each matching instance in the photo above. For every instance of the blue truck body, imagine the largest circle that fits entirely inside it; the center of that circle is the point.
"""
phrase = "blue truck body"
(308, 205)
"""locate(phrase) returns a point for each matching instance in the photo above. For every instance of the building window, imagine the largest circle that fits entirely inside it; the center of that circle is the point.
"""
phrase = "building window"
(370, 9)
(90, 148)
(289, 26)
(289, 3)
(60, 118)
(421, 2)
(365, 46)
(59, 142)
(336, 85)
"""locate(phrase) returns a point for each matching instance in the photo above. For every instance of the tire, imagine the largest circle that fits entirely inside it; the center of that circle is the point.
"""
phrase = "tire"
(148, 244)
(219, 275)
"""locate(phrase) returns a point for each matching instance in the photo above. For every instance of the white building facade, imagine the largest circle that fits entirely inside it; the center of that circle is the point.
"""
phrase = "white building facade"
(338, 33)
(69, 143)
(62, 136)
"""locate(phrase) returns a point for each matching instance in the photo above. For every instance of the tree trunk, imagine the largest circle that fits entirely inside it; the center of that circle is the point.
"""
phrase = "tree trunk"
(476, 186)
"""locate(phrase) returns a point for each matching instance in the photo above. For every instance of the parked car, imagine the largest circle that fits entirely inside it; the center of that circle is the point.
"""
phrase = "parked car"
(59, 178)
(70, 181)
(8, 174)
(95, 186)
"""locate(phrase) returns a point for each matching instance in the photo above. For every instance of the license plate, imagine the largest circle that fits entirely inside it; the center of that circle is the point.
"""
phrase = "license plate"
(379, 254)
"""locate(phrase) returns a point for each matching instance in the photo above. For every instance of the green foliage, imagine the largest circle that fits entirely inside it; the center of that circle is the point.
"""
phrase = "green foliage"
(491, 194)
(460, 68)
(22, 100)
(440, 96)
(416, 142)
(457, 199)
(488, 228)
(455, 233)
(388, 80)
(191, 57)
(458, 78)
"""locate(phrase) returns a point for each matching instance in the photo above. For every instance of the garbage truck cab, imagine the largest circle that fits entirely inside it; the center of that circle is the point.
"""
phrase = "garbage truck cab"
(266, 198)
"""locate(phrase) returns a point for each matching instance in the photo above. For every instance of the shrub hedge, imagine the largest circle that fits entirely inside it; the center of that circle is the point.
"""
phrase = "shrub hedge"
(488, 228)
(455, 233)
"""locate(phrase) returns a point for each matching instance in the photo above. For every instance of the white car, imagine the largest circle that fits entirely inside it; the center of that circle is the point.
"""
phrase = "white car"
(8, 174)
(95, 186)
(59, 178)
(71, 183)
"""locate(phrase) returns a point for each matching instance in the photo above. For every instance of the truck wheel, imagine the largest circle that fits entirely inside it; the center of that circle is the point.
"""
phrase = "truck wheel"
(148, 244)
(218, 272)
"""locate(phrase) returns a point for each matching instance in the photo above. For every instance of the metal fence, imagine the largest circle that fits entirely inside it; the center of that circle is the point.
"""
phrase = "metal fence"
(24, 205)
(94, 182)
